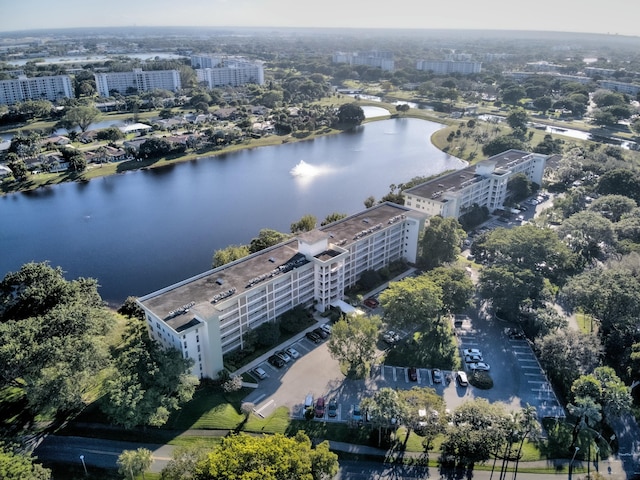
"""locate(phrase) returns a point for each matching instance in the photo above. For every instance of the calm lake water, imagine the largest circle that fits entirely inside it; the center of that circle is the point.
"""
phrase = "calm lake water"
(141, 231)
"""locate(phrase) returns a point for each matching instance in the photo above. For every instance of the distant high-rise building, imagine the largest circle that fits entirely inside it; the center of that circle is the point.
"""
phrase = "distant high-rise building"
(444, 67)
(137, 81)
(36, 88)
(375, 58)
(218, 71)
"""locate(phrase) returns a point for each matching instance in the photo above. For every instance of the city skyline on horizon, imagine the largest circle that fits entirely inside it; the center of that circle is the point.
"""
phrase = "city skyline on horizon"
(617, 17)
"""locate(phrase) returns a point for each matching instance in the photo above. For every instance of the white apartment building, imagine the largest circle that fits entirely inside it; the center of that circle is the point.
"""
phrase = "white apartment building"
(232, 74)
(139, 80)
(382, 60)
(208, 315)
(628, 88)
(483, 184)
(50, 88)
(444, 67)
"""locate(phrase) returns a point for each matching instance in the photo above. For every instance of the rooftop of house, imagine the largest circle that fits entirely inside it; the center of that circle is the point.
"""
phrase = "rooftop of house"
(203, 293)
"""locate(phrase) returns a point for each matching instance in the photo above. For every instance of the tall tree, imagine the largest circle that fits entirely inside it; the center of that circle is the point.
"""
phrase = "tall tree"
(19, 466)
(51, 337)
(266, 238)
(305, 224)
(457, 288)
(81, 116)
(353, 341)
(134, 462)
(412, 302)
(441, 242)
(385, 409)
(149, 382)
(229, 254)
(350, 114)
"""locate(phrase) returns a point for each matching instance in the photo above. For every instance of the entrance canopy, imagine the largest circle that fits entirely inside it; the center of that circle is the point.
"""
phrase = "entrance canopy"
(346, 308)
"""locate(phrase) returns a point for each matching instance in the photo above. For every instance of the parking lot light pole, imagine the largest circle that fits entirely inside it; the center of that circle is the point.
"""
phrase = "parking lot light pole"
(84, 465)
(571, 462)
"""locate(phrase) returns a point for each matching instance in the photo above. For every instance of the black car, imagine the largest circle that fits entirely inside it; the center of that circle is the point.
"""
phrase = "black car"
(320, 332)
(313, 337)
(276, 361)
(413, 374)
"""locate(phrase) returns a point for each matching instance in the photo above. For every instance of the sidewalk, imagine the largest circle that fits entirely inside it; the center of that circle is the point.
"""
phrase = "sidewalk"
(611, 467)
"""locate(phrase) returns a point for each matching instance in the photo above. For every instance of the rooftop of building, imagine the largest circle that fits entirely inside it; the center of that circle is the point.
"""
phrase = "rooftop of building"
(202, 294)
(461, 179)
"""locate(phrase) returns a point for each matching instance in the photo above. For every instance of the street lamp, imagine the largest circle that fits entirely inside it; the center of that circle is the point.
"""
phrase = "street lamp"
(84, 464)
(571, 462)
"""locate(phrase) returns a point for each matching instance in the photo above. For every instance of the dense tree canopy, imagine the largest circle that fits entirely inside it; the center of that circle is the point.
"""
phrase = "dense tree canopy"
(441, 242)
(148, 383)
(412, 302)
(266, 238)
(272, 457)
(51, 337)
(350, 114)
(18, 466)
(353, 341)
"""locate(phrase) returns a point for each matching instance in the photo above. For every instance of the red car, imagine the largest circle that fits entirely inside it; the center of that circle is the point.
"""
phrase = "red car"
(371, 302)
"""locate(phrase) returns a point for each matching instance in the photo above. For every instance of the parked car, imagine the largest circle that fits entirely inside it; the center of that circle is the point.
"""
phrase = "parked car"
(391, 337)
(308, 401)
(332, 409)
(371, 302)
(413, 374)
(260, 373)
(479, 366)
(471, 351)
(436, 375)
(292, 352)
(284, 356)
(356, 413)
(473, 358)
(313, 337)
(320, 332)
(276, 361)
(461, 377)
(327, 328)
(320, 407)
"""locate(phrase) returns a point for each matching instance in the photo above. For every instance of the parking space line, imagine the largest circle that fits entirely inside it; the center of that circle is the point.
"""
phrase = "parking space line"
(395, 379)
(259, 411)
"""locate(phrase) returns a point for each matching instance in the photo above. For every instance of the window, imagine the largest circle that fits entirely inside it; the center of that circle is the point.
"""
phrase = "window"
(185, 344)
(198, 348)
(197, 338)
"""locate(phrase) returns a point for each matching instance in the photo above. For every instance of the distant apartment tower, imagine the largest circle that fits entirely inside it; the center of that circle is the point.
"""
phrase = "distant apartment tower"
(228, 71)
(444, 67)
(621, 87)
(137, 81)
(36, 88)
(483, 184)
(382, 60)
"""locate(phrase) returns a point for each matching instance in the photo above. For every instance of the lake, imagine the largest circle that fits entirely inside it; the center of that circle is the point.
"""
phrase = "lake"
(141, 231)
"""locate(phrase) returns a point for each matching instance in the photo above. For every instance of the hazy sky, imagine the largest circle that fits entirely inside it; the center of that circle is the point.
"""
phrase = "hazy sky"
(610, 16)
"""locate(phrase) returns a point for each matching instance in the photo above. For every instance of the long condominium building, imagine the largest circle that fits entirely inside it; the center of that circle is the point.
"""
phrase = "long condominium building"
(444, 67)
(219, 71)
(208, 315)
(137, 81)
(50, 88)
(483, 184)
(382, 60)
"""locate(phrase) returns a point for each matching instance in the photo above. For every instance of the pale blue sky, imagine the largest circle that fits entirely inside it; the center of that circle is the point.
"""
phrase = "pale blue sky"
(610, 16)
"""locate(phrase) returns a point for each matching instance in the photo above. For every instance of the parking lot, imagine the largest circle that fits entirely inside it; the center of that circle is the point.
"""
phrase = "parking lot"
(517, 376)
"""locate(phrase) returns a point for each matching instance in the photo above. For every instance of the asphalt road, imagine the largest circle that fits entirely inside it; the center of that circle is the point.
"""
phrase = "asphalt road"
(96, 452)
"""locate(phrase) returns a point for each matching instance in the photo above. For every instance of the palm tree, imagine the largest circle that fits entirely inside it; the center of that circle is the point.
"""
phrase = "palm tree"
(587, 413)
(530, 427)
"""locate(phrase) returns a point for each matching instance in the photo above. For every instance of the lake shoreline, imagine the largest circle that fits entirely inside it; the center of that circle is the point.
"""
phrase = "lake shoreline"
(104, 170)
